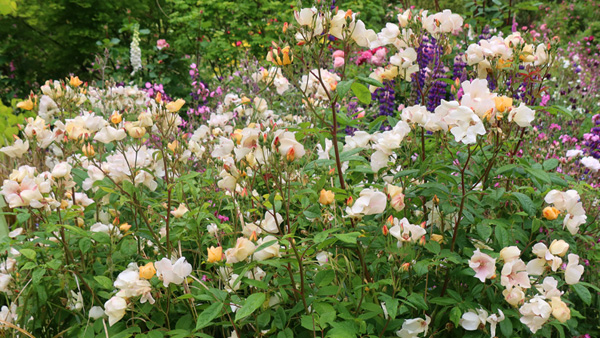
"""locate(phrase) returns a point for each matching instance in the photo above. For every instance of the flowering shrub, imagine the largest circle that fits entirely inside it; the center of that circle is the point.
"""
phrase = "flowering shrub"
(299, 205)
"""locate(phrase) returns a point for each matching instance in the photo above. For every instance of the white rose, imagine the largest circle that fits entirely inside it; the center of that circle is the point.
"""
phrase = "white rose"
(115, 309)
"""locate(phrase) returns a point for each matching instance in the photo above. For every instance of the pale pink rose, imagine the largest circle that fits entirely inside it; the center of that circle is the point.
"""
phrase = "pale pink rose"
(162, 43)
(338, 54)
(483, 264)
(338, 62)
(379, 57)
(515, 273)
(514, 296)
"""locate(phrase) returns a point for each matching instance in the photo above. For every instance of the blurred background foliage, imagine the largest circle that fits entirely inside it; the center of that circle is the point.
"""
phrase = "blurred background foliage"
(41, 40)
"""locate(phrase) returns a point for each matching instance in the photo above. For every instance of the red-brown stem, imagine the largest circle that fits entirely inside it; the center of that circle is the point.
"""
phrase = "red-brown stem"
(459, 216)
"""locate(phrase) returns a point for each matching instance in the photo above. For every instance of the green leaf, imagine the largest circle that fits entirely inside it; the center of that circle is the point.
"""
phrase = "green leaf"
(484, 231)
(29, 266)
(417, 300)
(526, 203)
(324, 278)
(207, 316)
(421, 267)
(37, 275)
(433, 247)
(265, 245)
(583, 293)
(502, 236)
(343, 87)
(505, 168)
(280, 319)
(362, 92)
(506, 327)
(287, 333)
(23, 217)
(406, 173)
(29, 253)
(345, 329)
(550, 164)
(539, 174)
(559, 327)
(391, 305)
(253, 302)
(85, 244)
(349, 238)
(104, 281)
(442, 301)
(310, 323)
(4, 230)
(370, 81)
(155, 334)
(455, 315)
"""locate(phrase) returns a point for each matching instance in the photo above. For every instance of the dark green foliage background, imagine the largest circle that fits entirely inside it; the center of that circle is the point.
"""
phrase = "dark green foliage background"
(41, 40)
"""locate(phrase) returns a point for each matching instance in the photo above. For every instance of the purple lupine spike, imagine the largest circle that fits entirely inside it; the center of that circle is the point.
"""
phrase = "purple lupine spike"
(386, 98)
(438, 88)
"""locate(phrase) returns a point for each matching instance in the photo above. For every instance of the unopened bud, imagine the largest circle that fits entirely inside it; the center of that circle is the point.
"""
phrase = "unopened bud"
(291, 154)
(125, 227)
(349, 201)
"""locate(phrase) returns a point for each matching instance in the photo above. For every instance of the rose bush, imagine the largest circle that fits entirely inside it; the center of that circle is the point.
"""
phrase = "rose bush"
(301, 204)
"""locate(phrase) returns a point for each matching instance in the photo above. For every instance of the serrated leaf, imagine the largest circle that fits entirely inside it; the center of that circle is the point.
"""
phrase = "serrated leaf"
(550, 164)
(502, 236)
(253, 302)
(539, 174)
(417, 300)
(433, 247)
(324, 278)
(265, 245)
(29, 253)
(505, 168)
(370, 81)
(343, 87)
(104, 281)
(484, 231)
(391, 305)
(361, 92)
(349, 238)
(22, 217)
(455, 315)
(506, 327)
(207, 316)
(526, 203)
(85, 244)
(583, 293)
(442, 301)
